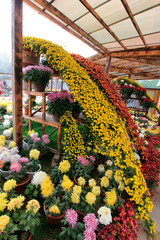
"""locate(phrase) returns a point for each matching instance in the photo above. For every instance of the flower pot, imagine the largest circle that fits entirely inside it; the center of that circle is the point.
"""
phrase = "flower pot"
(39, 87)
(26, 111)
(53, 220)
(80, 216)
(21, 186)
(32, 173)
(29, 57)
(4, 173)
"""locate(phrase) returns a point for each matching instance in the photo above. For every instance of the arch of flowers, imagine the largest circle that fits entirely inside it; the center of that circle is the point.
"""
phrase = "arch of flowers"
(107, 128)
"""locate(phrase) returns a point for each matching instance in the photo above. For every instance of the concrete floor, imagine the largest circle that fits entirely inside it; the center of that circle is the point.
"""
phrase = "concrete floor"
(155, 215)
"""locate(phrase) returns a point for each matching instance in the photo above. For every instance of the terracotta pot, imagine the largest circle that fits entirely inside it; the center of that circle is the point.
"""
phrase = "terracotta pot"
(80, 216)
(53, 220)
(21, 186)
(39, 87)
(26, 111)
(5, 174)
(29, 57)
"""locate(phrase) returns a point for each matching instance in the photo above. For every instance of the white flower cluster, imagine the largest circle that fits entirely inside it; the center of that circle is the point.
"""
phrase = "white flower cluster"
(38, 178)
(9, 155)
(104, 215)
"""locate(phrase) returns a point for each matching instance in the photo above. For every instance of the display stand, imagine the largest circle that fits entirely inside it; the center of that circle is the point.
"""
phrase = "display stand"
(42, 117)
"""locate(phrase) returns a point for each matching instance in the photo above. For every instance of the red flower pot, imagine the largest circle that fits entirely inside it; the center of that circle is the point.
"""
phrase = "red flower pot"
(53, 220)
(21, 186)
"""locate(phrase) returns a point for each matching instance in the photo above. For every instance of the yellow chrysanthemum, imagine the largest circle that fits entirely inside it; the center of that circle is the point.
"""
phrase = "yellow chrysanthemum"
(33, 204)
(81, 181)
(54, 209)
(75, 198)
(12, 144)
(77, 189)
(66, 183)
(109, 174)
(64, 166)
(111, 197)
(4, 220)
(11, 129)
(92, 182)
(118, 176)
(2, 142)
(104, 182)
(47, 187)
(90, 198)
(3, 201)
(9, 185)
(29, 132)
(96, 190)
(2, 137)
(121, 186)
(34, 153)
(16, 203)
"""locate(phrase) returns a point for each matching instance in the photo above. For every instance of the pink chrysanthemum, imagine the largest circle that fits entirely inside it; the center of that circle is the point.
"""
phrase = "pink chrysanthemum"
(83, 160)
(37, 139)
(44, 136)
(91, 221)
(71, 217)
(15, 167)
(89, 234)
(46, 140)
(92, 158)
(23, 160)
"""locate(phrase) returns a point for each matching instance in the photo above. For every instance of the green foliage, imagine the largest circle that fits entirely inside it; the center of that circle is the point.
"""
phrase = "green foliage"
(68, 233)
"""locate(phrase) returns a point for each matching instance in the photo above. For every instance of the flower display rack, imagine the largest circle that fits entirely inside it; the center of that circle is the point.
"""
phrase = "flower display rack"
(42, 117)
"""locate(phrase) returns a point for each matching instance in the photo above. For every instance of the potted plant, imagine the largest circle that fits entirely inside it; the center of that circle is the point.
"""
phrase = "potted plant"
(139, 91)
(38, 75)
(59, 102)
(127, 90)
(33, 165)
(147, 103)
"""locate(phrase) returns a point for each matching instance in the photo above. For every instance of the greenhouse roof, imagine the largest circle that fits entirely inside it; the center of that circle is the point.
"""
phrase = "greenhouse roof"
(150, 84)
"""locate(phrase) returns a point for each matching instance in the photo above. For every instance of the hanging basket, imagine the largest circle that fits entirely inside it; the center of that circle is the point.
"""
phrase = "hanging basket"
(29, 57)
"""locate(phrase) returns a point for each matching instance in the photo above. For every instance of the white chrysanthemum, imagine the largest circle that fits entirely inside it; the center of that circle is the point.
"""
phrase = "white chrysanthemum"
(141, 135)
(101, 168)
(137, 156)
(6, 117)
(104, 215)
(14, 150)
(34, 134)
(6, 123)
(7, 133)
(145, 142)
(5, 156)
(15, 158)
(38, 178)
(109, 163)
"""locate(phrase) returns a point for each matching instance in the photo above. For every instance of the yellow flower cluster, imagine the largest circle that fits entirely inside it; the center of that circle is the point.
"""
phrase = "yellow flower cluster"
(81, 181)
(92, 182)
(73, 142)
(96, 190)
(64, 166)
(111, 197)
(34, 153)
(107, 129)
(47, 187)
(12, 144)
(9, 185)
(6, 104)
(75, 198)
(66, 183)
(16, 203)
(3, 201)
(104, 182)
(4, 220)
(90, 198)
(54, 209)
(33, 205)
(77, 189)
(109, 174)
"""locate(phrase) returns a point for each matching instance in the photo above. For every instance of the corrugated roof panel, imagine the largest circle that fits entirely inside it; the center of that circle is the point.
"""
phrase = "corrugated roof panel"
(72, 9)
(96, 3)
(149, 21)
(137, 6)
(114, 46)
(133, 43)
(124, 29)
(153, 39)
(103, 36)
(88, 23)
(112, 12)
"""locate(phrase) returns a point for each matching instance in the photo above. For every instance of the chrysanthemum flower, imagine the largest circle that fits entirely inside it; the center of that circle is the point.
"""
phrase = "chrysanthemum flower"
(104, 215)
(33, 204)
(89, 234)
(54, 209)
(66, 183)
(4, 220)
(91, 221)
(101, 168)
(47, 187)
(81, 181)
(77, 189)
(109, 174)
(3, 201)
(75, 198)
(90, 198)
(64, 166)
(92, 182)
(71, 217)
(104, 182)
(16, 203)
(96, 190)
(16, 167)
(34, 153)
(9, 185)
(111, 197)
(12, 144)
(38, 178)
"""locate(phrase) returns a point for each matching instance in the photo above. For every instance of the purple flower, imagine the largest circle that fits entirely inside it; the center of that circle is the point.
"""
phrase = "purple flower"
(62, 95)
(71, 217)
(91, 221)
(40, 68)
(89, 234)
